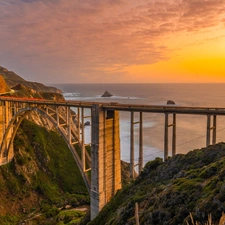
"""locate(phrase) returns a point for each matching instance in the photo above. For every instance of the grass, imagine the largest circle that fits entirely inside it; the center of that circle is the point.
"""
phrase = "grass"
(209, 222)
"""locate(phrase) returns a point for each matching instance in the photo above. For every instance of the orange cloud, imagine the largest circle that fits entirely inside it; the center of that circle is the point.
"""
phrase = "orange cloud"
(109, 39)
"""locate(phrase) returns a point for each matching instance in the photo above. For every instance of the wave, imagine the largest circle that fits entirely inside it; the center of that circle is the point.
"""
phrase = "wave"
(70, 95)
(78, 96)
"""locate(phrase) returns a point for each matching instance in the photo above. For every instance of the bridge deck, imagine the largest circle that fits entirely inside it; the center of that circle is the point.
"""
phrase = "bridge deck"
(126, 107)
(104, 160)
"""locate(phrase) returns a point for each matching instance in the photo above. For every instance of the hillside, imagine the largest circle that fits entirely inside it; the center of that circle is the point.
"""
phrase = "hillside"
(21, 90)
(12, 80)
(10, 75)
(167, 192)
(42, 179)
(3, 86)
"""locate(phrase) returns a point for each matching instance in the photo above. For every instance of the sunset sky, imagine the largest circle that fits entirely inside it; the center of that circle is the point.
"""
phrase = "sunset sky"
(105, 41)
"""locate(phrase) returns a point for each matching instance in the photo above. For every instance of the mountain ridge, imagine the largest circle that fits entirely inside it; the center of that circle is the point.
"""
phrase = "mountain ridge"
(12, 79)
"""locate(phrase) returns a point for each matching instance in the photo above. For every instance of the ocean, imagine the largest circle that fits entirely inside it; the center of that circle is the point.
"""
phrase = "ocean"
(191, 129)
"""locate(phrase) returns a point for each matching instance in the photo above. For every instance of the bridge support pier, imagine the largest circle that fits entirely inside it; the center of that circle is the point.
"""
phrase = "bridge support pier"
(214, 130)
(166, 136)
(140, 159)
(6, 155)
(209, 129)
(105, 154)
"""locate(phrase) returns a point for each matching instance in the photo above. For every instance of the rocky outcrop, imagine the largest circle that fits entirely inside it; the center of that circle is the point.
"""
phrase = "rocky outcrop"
(22, 90)
(87, 123)
(170, 102)
(40, 87)
(3, 86)
(107, 94)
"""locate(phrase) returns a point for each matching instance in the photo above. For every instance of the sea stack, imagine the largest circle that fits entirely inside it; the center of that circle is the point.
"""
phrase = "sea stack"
(107, 94)
(170, 102)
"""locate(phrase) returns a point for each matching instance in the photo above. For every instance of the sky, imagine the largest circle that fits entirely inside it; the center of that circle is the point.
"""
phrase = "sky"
(114, 41)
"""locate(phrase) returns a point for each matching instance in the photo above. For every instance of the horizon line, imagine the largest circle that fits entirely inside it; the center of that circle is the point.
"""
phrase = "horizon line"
(147, 83)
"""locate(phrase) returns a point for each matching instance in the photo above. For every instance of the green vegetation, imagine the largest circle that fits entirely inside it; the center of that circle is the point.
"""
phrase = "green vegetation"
(167, 192)
(70, 216)
(43, 178)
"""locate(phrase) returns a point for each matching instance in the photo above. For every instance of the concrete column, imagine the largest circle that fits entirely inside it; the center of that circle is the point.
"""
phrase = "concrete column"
(2, 129)
(140, 144)
(116, 162)
(57, 115)
(78, 120)
(105, 178)
(7, 152)
(97, 159)
(166, 136)
(3, 117)
(1, 120)
(208, 130)
(83, 142)
(214, 129)
(132, 145)
(10, 150)
(68, 118)
(174, 136)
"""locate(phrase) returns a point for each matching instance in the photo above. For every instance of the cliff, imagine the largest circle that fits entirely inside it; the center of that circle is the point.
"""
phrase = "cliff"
(3, 86)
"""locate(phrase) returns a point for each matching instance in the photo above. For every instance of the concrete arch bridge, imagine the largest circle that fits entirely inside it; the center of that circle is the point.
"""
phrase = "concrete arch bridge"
(68, 118)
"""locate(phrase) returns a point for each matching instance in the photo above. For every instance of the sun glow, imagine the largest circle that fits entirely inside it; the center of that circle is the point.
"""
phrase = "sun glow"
(201, 59)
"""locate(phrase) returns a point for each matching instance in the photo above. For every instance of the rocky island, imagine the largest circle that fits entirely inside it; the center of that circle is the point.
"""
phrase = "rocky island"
(170, 102)
(107, 94)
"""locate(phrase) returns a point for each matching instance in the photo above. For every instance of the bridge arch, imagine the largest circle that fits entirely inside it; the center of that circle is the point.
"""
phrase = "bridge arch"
(13, 126)
(104, 161)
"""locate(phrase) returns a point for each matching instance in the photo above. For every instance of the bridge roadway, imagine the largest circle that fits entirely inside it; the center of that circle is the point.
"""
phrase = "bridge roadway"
(162, 109)
(104, 161)
(173, 109)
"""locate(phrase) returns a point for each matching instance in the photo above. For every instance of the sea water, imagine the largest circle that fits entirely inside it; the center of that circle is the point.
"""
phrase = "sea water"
(191, 129)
